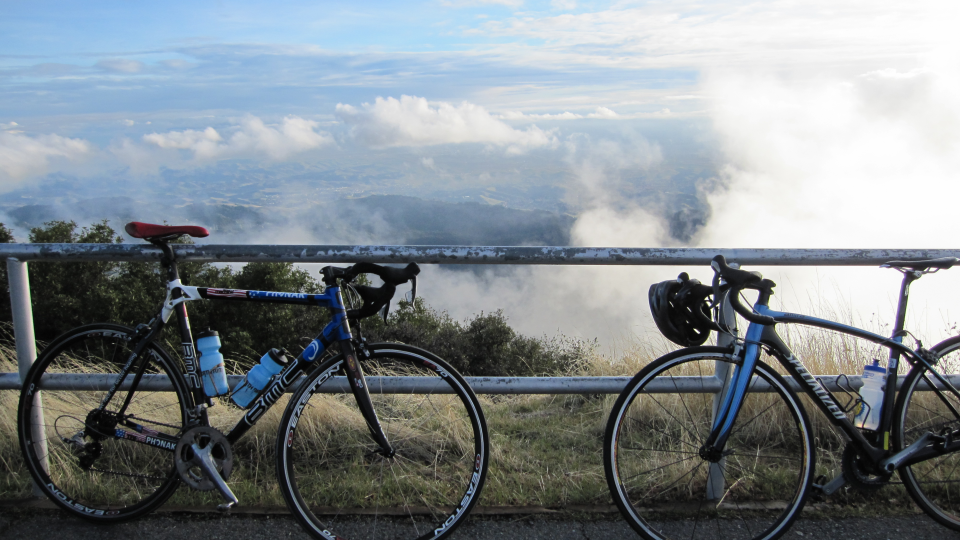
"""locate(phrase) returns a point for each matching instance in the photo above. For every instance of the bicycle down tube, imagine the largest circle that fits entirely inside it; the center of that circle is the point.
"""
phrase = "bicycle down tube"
(337, 331)
(759, 334)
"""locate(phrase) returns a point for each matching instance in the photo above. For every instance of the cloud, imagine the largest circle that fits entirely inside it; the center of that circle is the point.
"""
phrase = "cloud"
(23, 157)
(413, 121)
(600, 112)
(120, 65)
(251, 138)
(829, 34)
(471, 3)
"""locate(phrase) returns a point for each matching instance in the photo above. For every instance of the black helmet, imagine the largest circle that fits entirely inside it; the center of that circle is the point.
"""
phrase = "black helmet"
(681, 310)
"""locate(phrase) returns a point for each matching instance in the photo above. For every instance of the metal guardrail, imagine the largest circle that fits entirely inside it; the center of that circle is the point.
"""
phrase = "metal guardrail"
(549, 255)
(480, 385)
(18, 255)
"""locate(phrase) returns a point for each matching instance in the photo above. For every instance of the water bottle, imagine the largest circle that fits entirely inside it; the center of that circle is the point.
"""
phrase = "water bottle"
(256, 380)
(212, 372)
(871, 397)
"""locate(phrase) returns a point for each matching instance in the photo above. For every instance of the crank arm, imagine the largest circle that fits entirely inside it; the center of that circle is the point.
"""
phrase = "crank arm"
(203, 458)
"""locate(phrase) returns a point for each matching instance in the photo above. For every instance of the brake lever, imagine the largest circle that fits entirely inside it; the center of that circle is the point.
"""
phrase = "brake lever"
(411, 295)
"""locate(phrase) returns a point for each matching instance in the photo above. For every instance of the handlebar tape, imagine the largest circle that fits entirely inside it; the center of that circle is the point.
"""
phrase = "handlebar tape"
(374, 298)
(741, 279)
(389, 275)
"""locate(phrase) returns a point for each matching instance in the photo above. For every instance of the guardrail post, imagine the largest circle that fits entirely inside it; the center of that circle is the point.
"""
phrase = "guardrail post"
(723, 372)
(22, 310)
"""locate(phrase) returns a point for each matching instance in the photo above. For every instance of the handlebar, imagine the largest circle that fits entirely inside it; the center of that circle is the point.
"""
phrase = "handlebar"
(374, 298)
(737, 280)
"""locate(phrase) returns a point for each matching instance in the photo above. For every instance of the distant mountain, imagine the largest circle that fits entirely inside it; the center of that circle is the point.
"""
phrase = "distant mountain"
(378, 219)
(425, 222)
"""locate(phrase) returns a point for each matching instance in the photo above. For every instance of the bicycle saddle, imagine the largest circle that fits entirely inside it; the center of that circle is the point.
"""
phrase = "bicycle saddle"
(942, 263)
(149, 231)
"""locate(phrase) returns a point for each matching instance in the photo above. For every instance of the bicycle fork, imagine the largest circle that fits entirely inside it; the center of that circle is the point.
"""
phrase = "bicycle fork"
(358, 384)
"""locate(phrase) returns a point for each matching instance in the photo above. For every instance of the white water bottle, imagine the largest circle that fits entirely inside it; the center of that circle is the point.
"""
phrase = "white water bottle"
(871, 397)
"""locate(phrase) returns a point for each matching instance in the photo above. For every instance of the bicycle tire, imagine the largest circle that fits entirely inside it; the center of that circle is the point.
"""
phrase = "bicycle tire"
(335, 483)
(122, 478)
(933, 484)
(655, 472)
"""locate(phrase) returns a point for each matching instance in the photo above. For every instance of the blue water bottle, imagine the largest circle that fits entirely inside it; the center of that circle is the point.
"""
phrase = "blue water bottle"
(256, 380)
(212, 371)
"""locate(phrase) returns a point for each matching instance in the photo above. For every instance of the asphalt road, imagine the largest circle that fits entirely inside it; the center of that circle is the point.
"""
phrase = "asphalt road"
(19, 523)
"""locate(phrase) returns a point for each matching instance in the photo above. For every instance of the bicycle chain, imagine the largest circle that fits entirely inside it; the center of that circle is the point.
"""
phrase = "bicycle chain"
(856, 476)
(129, 475)
(126, 474)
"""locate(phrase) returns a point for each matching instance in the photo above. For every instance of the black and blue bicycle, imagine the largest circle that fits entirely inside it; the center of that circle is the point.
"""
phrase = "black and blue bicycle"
(377, 441)
(712, 442)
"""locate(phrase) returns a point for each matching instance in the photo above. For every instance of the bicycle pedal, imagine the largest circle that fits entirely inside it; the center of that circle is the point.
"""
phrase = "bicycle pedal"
(822, 490)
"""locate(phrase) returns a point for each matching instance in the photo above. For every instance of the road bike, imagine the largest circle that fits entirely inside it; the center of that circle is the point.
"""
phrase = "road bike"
(378, 440)
(714, 442)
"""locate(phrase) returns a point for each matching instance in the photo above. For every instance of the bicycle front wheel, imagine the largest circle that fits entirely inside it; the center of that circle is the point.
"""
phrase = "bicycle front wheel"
(87, 457)
(933, 484)
(660, 481)
(338, 485)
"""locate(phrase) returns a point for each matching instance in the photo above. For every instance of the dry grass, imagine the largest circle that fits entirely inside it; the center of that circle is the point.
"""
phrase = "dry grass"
(546, 450)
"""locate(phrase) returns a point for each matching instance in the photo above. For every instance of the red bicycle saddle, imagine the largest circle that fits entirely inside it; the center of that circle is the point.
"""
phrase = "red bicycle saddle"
(137, 229)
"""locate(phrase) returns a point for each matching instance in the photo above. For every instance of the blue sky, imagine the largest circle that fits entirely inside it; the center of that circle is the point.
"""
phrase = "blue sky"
(606, 91)
(794, 123)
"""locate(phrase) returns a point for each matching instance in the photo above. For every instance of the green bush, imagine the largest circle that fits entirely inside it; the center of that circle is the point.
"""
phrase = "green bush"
(66, 295)
(484, 346)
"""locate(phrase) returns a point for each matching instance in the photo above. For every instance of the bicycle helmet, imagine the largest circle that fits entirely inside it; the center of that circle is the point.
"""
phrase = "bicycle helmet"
(681, 310)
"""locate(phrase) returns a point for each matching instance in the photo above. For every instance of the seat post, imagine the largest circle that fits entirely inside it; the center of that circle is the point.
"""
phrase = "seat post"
(169, 258)
(909, 276)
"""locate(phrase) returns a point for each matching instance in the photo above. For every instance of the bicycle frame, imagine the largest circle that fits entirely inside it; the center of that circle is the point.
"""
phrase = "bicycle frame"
(337, 331)
(759, 335)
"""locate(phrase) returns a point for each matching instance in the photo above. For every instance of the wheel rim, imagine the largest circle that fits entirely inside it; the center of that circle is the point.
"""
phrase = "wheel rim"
(934, 484)
(340, 487)
(93, 472)
(666, 487)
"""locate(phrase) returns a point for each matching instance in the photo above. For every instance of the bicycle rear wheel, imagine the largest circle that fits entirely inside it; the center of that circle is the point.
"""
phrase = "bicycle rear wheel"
(336, 483)
(933, 484)
(96, 464)
(652, 452)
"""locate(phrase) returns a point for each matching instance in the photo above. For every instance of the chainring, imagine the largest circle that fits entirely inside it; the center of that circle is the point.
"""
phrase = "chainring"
(857, 475)
(188, 463)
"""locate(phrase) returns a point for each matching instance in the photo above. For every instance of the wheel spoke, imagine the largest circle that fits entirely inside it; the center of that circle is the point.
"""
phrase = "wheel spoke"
(767, 456)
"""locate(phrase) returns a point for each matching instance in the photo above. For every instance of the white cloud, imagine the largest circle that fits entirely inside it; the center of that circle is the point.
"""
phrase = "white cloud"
(471, 3)
(178, 64)
(121, 65)
(413, 121)
(23, 157)
(820, 34)
(251, 139)
(600, 112)
(9, 126)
